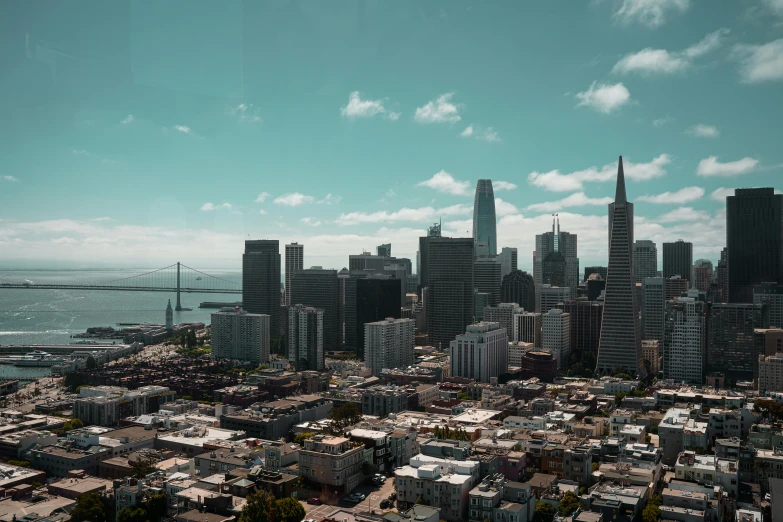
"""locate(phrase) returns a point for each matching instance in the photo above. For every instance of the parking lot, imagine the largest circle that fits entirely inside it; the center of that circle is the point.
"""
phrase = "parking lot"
(374, 496)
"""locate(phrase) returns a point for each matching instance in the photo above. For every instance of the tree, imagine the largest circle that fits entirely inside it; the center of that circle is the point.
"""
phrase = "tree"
(76, 424)
(90, 363)
(568, 505)
(544, 512)
(289, 510)
(88, 507)
(20, 463)
(346, 415)
(143, 466)
(463, 396)
(619, 397)
(132, 514)
(299, 439)
(651, 513)
(156, 507)
(260, 507)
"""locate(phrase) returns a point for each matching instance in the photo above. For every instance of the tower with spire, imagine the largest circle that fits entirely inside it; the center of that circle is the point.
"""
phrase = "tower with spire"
(169, 317)
(620, 341)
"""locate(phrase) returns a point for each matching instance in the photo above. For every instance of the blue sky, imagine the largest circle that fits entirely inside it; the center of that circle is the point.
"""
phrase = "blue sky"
(142, 133)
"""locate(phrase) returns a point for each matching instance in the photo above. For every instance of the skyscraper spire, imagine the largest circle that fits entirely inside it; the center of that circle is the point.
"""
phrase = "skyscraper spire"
(619, 193)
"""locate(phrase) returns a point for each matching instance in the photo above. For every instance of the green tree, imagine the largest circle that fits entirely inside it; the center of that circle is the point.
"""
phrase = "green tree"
(156, 507)
(619, 397)
(20, 463)
(88, 507)
(289, 510)
(544, 512)
(90, 363)
(260, 507)
(463, 396)
(76, 424)
(568, 505)
(651, 513)
(299, 439)
(143, 466)
(346, 415)
(132, 514)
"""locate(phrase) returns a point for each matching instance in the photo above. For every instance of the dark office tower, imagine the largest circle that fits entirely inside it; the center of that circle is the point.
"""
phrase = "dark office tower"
(722, 277)
(653, 309)
(320, 288)
(486, 277)
(602, 270)
(620, 332)
(554, 269)
(586, 317)
(518, 287)
(678, 259)
(595, 284)
(645, 260)
(342, 277)
(484, 222)
(351, 306)
(449, 302)
(754, 238)
(771, 295)
(563, 243)
(377, 297)
(702, 275)
(731, 346)
(675, 286)
(384, 250)
(261, 281)
(433, 231)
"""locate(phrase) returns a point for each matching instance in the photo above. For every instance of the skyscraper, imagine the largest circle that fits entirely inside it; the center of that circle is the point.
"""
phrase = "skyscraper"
(480, 353)
(484, 222)
(384, 250)
(527, 328)
(645, 260)
(548, 268)
(585, 324)
(601, 270)
(423, 254)
(731, 347)
(504, 314)
(678, 259)
(722, 277)
(508, 261)
(320, 288)
(305, 337)
(653, 309)
(772, 296)
(685, 340)
(620, 332)
(486, 277)
(702, 275)
(389, 344)
(556, 335)
(518, 287)
(239, 335)
(261, 281)
(294, 261)
(377, 298)
(754, 238)
(449, 300)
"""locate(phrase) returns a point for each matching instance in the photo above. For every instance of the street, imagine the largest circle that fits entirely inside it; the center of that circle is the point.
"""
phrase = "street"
(374, 496)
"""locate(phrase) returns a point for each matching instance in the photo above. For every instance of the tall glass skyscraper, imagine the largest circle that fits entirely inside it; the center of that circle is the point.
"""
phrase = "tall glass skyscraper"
(261, 281)
(484, 222)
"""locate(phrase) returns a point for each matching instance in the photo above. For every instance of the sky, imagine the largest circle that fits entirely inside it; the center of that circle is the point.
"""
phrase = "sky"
(138, 134)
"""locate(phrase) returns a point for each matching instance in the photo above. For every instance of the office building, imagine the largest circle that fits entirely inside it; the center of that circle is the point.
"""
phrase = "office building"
(722, 278)
(342, 277)
(754, 239)
(261, 281)
(552, 296)
(449, 302)
(239, 335)
(586, 319)
(423, 254)
(349, 309)
(480, 302)
(602, 270)
(595, 286)
(651, 356)
(685, 338)
(702, 275)
(518, 287)
(508, 261)
(504, 314)
(377, 298)
(675, 286)
(653, 309)
(398, 268)
(556, 336)
(294, 261)
(484, 221)
(678, 259)
(772, 296)
(645, 260)
(480, 353)
(389, 344)
(527, 328)
(486, 277)
(730, 349)
(384, 250)
(770, 373)
(320, 289)
(306, 337)
(620, 331)
(516, 351)
(551, 269)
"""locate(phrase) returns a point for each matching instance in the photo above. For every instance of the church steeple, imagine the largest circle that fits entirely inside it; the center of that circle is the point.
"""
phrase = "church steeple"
(619, 193)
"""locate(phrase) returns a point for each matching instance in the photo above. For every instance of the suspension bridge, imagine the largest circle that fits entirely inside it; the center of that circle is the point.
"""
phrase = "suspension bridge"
(173, 278)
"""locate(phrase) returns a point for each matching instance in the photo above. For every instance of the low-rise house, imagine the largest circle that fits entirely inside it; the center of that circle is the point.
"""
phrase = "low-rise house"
(332, 461)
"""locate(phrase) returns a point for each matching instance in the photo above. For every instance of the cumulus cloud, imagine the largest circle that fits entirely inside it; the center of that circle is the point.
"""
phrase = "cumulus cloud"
(721, 193)
(489, 135)
(128, 119)
(504, 208)
(467, 132)
(364, 108)
(310, 221)
(503, 185)
(209, 207)
(652, 13)
(245, 112)
(445, 182)
(710, 167)
(262, 197)
(660, 122)
(439, 110)
(704, 131)
(263, 212)
(760, 63)
(556, 181)
(12, 179)
(684, 195)
(578, 199)
(421, 214)
(605, 98)
(683, 214)
(293, 200)
(184, 129)
(329, 200)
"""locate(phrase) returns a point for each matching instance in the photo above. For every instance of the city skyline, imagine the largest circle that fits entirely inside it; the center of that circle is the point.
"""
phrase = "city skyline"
(148, 155)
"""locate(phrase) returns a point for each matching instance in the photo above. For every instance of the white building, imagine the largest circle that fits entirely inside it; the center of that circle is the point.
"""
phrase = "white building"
(294, 261)
(685, 334)
(239, 335)
(556, 335)
(770, 373)
(389, 344)
(504, 314)
(306, 337)
(480, 353)
(517, 350)
(550, 296)
(508, 261)
(527, 328)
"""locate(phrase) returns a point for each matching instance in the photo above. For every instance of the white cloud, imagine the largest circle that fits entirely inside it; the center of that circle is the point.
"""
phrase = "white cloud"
(652, 13)
(393, 116)
(604, 98)
(555, 181)
(760, 63)
(293, 200)
(455, 210)
(721, 193)
(183, 129)
(489, 135)
(704, 131)
(684, 195)
(683, 214)
(104, 218)
(80, 152)
(578, 199)
(503, 185)
(440, 110)
(707, 44)
(359, 108)
(775, 6)
(422, 215)
(245, 112)
(712, 167)
(12, 179)
(128, 119)
(504, 208)
(445, 182)
(262, 197)
(209, 207)
(467, 132)
(660, 122)
(65, 240)
(263, 212)
(651, 61)
(310, 221)
(329, 200)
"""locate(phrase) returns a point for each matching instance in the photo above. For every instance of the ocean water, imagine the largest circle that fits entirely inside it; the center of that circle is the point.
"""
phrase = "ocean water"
(52, 316)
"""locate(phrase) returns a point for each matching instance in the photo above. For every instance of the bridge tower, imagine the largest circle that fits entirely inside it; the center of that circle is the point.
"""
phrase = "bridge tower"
(179, 305)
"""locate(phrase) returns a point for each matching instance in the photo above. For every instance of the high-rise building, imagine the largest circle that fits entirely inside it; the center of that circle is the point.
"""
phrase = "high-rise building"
(754, 238)
(504, 314)
(384, 250)
(675, 286)
(651, 356)
(349, 313)
(449, 301)
(377, 298)
(552, 297)
(602, 270)
(508, 261)
(556, 335)
(389, 344)
(620, 331)
(342, 276)
(553, 269)
(261, 281)
(239, 335)
(518, 287)
(722, 277)
(653, 309)
(595, 286)
(169, 317)
(685, 340)
(702, 275)
(432, 231)
(484, 221)
(527, 328)
(480, 353)
(586, 319)
(320, 289)
(486, 277)
(294, 261)
(678, 259)
(306, 337)
(480, 303)
(567, 267)
(770, 373)
(645, 260)
(730, 349)
(772, 296)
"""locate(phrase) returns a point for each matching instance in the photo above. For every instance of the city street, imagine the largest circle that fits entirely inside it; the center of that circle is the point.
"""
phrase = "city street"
(374, 496)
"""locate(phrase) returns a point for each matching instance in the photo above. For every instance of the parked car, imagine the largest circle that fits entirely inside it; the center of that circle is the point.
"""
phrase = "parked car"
(314, 501)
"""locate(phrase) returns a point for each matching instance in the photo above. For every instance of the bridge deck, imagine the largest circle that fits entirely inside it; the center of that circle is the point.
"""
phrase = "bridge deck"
(122, 288)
